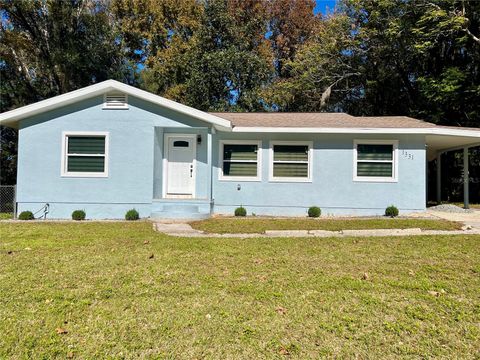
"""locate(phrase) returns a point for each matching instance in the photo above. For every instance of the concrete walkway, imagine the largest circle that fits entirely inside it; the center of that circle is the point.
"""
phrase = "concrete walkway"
(183, 229)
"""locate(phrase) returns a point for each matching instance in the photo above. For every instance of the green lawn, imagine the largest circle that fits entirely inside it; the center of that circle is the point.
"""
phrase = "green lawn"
(259, 225)
(120, 290)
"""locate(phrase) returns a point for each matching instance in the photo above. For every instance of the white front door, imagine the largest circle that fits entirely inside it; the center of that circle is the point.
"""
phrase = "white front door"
(180, 165)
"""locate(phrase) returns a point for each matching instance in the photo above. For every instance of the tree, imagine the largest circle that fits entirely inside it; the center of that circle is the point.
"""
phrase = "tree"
(420, 59)
(230, 59)
(48, 48)
(291, 23)
(324, 75)
(158, 38)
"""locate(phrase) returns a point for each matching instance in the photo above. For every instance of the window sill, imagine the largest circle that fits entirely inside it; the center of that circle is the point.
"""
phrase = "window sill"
(85, 175)
(239, 179)
(289, 180)
(375, 180)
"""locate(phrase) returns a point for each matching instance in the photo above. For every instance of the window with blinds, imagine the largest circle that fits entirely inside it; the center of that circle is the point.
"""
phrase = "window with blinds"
(85, 155)
(240, 160)
(290, 161)
(376, 161)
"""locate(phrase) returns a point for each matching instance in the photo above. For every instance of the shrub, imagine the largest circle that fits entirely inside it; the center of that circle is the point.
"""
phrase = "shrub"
(132, 215)
(240, 211)
(391, 211)
(26, 215)
(78, 215)
(314, 211)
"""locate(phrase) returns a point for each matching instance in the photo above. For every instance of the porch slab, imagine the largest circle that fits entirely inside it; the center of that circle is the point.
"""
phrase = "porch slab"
(176, 228)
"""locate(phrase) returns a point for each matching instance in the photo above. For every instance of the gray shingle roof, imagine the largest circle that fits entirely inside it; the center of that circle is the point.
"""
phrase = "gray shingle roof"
(320, 120)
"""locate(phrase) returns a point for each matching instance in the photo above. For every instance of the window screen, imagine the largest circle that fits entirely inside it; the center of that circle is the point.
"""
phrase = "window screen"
(240, 160)
(85, 154)
(290, 161)
(375, 160)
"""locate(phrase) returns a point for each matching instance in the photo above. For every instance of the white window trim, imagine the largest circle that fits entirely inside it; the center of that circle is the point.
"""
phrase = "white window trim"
(394, 161)
(290, 179)
(222, 177)
(118, 107)
(64, 160)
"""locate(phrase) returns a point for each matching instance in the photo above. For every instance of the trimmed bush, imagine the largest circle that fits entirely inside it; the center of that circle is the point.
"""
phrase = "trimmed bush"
(314, 212)
(240, 211)
(78, 215)
(391, 211)
(132, 215)
(26, 215)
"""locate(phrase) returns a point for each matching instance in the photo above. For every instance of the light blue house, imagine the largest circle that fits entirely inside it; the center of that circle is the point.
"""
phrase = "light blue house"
(111, 147)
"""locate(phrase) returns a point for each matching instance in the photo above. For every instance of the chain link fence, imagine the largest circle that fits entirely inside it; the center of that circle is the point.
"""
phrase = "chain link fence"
(8, 199)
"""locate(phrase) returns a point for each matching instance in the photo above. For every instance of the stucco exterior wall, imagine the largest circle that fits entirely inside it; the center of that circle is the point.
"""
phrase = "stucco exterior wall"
(135, 159)
(135, 177)
(332, 186)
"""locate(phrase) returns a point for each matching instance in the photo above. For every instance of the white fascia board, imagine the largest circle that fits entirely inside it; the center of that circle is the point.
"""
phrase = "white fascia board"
(218, 122)
(10, 118)
(420, 131)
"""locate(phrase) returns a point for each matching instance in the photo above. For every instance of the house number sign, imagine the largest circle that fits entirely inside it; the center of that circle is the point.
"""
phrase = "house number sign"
(407, 155)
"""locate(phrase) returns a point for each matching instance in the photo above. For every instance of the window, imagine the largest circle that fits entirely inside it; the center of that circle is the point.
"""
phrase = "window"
(85, 154)
(290, 161)
(180, 143)
(240, 160)
(375, 160)
(115, 101)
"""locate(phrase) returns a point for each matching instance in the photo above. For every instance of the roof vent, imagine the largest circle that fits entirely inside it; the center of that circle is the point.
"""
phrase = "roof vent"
(115, 101)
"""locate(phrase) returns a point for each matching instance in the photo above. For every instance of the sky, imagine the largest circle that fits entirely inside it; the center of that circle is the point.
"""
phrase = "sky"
(324, 6)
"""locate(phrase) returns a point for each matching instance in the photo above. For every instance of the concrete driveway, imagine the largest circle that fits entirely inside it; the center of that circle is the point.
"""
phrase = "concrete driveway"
(469, 219)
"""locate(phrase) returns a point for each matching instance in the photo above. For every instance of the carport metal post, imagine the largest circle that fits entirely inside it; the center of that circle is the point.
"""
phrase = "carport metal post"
(466, 179)
(439, 178)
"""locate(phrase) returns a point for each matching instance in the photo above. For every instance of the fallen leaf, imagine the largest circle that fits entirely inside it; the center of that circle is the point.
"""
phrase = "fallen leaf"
(146, 242)
(281, 310)
(365, 276)
(61, 331)
(284, 351)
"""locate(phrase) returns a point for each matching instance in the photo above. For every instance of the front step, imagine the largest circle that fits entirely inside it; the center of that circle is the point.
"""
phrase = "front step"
(190, 209)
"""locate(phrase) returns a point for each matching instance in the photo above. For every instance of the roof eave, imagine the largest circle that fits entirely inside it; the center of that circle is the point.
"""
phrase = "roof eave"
(304, 130)
(11, 118)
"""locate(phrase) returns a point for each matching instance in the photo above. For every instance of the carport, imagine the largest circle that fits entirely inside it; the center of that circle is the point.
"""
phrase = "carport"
(445, 139)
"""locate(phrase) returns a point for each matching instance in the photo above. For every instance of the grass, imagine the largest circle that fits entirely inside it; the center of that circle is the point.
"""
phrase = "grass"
(6, 216)
(259, 225)
(120, 290)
